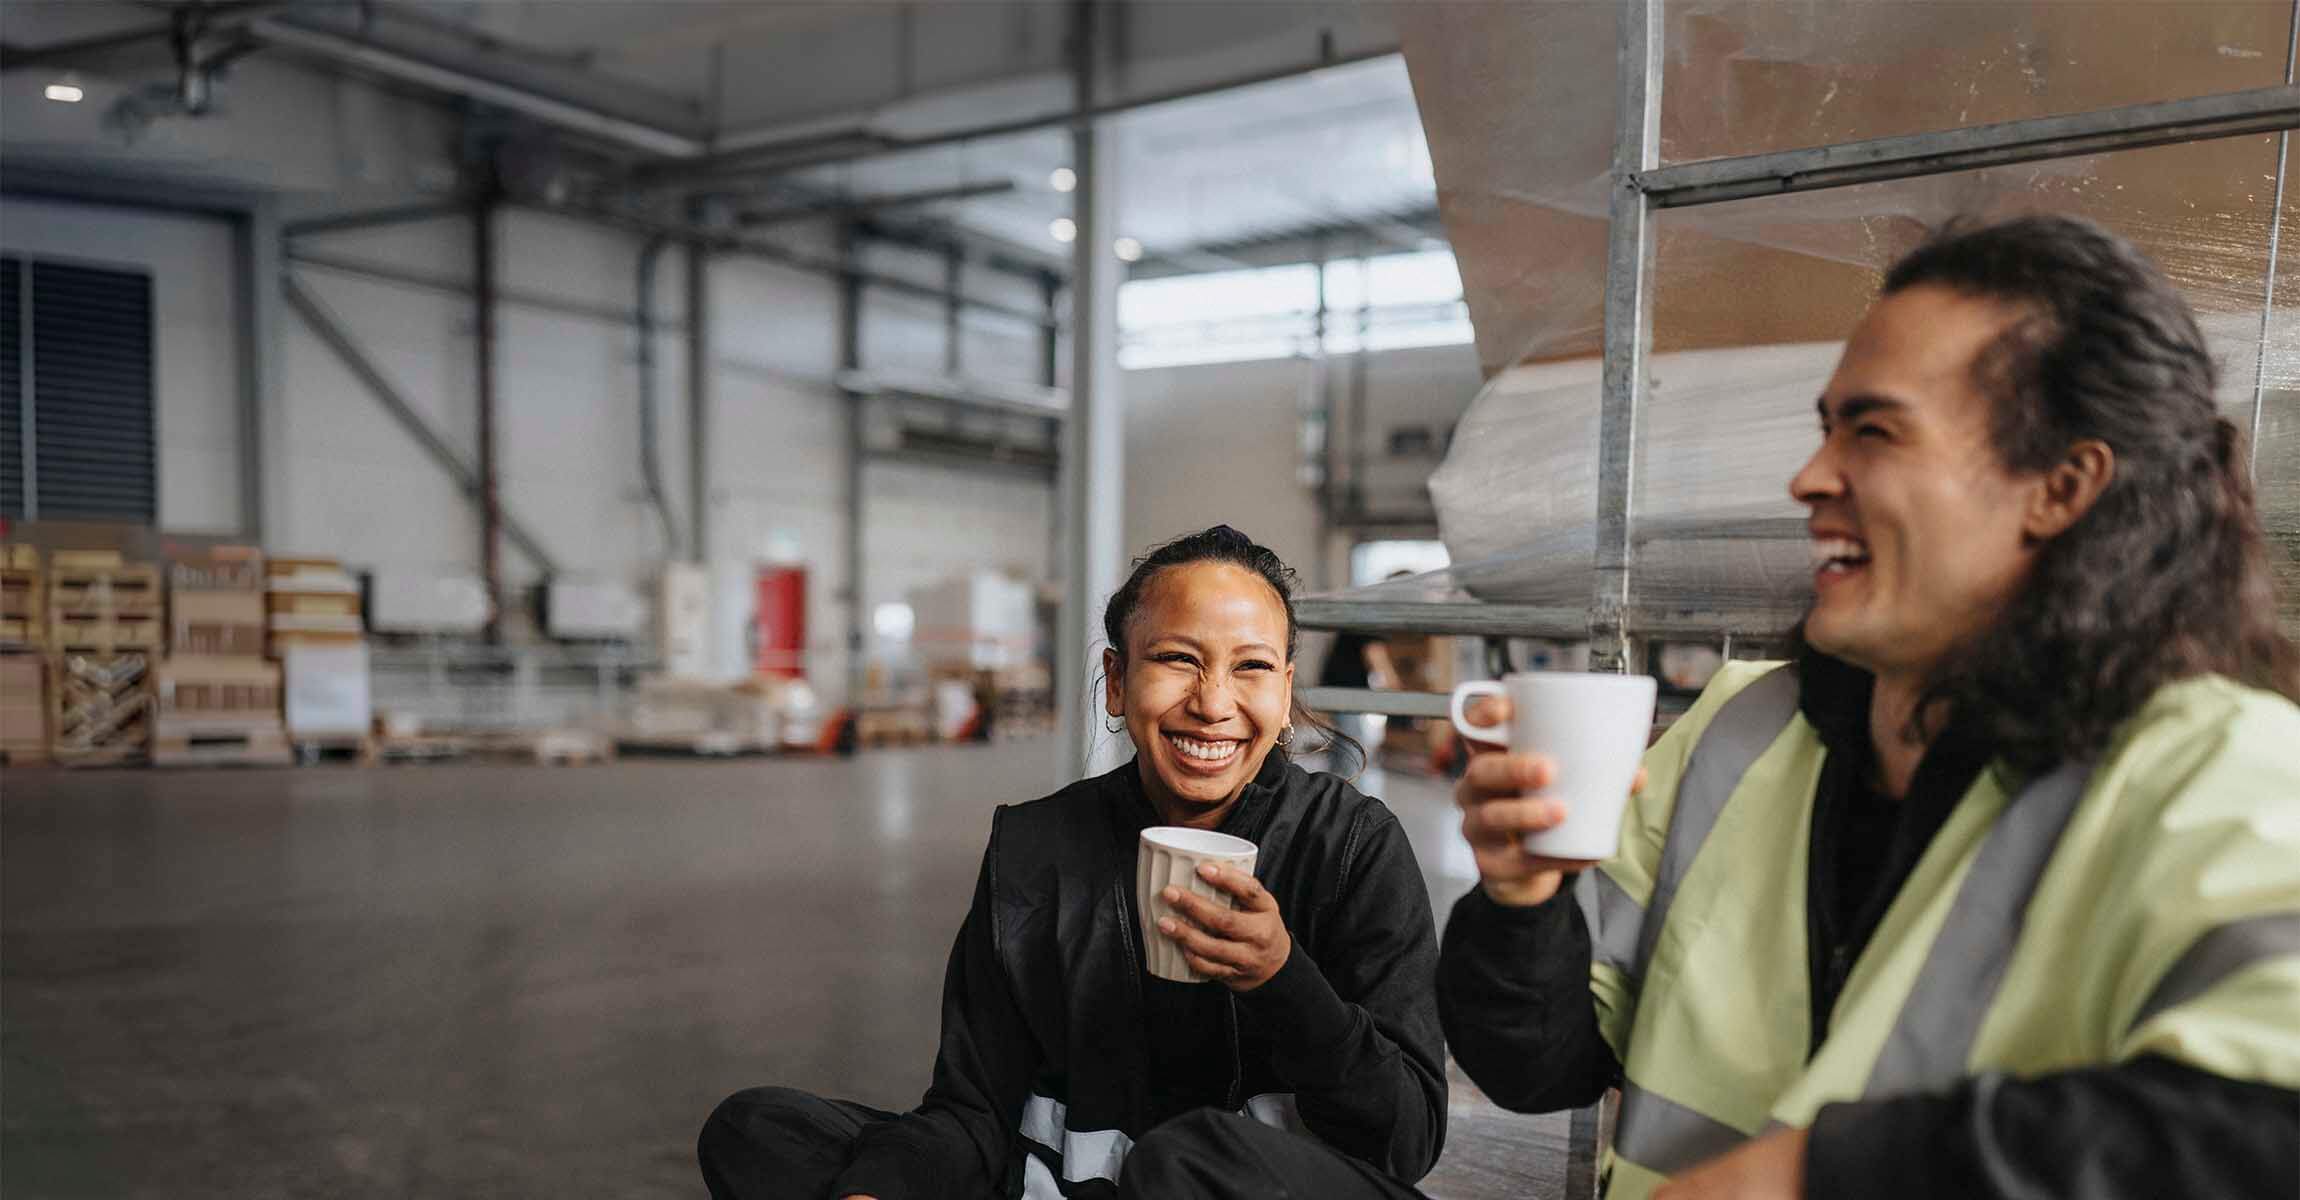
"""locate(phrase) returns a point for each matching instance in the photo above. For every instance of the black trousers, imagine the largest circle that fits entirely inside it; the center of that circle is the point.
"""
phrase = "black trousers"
(1214, 1155)
(776, 1143)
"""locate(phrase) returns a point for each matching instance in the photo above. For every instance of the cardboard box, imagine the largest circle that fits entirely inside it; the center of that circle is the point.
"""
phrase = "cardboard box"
(303, 604)
(216, 623)
(219, 689)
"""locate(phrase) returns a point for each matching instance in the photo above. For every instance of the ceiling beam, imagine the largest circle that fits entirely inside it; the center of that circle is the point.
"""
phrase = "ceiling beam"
(860, 141)
(832, 206)
(422, 72)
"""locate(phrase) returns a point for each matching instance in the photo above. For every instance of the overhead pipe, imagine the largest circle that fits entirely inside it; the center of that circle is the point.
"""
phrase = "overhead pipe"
(650, 464)
(832, 206)
(747, 161)
(409, 69)
(725, 242)
(396, 214)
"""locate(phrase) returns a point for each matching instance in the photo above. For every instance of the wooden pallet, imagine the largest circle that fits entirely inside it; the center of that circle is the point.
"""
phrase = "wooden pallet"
(714, 744)
(420, 747)
(78, 633)
(267, 748)
(100, 707)
(552, 747)
(126, 592)
(98, 756)
(26, 756)
(356, 749)
(23, 607)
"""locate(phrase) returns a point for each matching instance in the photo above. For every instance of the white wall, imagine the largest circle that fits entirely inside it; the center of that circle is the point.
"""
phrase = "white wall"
(195, 317)
(350, 481)
(1220, 442)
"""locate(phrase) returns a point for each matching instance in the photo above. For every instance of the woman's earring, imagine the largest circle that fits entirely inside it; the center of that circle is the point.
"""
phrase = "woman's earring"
(1286, 736)
(1115, 724)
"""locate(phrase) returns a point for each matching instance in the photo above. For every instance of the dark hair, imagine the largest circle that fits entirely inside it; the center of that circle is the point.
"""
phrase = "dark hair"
(2167, 575)
(1219, 544)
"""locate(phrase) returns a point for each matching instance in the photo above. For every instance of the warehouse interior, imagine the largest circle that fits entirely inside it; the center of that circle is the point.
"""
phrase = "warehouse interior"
(537, 532)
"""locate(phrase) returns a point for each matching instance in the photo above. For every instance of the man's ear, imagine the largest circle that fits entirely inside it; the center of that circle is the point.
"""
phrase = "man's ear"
(2069, 489)
(1113, 695)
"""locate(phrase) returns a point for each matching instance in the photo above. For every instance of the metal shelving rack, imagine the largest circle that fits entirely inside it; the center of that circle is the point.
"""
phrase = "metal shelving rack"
(1641, 187)
(1612, 624)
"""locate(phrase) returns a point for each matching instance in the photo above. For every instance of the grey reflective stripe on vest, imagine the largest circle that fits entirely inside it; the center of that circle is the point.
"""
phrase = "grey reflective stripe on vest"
(1613, 917)
(2219, 954)
(1656, 1132)
(1942, 1015)
(1743, 729)
(1660, 1134)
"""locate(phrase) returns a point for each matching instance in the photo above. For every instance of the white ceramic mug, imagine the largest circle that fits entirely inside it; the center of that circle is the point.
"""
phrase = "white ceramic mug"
(1593, 727)
(1170, 855)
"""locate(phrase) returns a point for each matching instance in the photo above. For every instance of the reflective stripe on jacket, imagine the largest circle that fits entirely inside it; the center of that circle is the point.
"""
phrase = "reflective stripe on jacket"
(2146, 903)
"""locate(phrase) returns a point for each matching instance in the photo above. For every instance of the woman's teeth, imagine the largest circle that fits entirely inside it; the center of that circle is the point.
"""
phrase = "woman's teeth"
(1205, 752)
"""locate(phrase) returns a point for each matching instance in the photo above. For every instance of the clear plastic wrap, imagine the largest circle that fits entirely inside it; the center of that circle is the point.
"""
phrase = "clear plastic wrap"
(1755, 76)
(1751, 298)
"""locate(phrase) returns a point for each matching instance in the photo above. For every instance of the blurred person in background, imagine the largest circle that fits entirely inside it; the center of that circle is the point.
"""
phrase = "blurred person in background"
(1316, 1039)
(1994, 889)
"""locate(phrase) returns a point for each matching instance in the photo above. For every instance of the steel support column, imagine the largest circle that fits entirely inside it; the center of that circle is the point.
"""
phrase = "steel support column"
(850, 359)
(699, 355)
(1093, 464)
(483, 335)
(2275, 238)
(1628, 326)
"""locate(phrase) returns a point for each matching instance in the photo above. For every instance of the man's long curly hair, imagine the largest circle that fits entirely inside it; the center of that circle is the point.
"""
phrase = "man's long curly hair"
(2167, 576)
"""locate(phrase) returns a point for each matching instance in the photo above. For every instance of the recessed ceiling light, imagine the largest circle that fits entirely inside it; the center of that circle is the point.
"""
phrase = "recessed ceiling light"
(1127, 249)
(1063, 180)
(65, 93)
(1062, 229)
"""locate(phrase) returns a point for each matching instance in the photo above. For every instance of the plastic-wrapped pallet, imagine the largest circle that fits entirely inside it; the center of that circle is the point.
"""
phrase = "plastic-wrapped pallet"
(1517, 497)
(1715, 529)
(326, 689)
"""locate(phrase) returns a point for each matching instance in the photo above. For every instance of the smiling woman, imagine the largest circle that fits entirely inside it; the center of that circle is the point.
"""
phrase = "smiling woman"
(1310, 1053)
(1201, 669)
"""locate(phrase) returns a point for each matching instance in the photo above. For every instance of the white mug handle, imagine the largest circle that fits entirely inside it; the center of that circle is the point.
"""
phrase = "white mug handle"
(1498, 734)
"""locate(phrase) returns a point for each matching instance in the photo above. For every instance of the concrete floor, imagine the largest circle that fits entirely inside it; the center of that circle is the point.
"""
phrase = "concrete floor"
(483, 980)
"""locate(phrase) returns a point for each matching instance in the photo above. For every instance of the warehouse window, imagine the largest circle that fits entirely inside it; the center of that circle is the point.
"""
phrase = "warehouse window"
(75, 392)
(1411, 299)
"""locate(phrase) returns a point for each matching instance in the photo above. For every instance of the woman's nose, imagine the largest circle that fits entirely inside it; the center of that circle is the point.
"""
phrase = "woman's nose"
(1212, 698)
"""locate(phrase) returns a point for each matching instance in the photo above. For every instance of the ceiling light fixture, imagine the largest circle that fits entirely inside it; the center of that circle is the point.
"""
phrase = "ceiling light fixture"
(1062, 229)
(1063, 180)
(65, 93)
(1127, 249)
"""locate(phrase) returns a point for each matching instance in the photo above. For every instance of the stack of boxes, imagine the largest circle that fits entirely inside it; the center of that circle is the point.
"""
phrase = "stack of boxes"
(23, 658)
(313, 615)
(219, 697)
(104, 626)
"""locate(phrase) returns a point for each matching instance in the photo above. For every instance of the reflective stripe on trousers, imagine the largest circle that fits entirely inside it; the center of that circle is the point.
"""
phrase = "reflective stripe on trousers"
(1099, 1153)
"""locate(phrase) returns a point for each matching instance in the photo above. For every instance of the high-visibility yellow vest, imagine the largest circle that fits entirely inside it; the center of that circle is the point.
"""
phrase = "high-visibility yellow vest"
(2146, 903)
